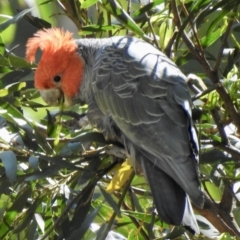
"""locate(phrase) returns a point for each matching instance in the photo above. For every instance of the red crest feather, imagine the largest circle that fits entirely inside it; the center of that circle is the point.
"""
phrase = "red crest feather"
(50, 41)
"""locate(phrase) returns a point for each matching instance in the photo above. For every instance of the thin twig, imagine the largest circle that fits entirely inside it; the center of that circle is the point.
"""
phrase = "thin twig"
(224, 40)
(152, 30)
(72, 11)
(168, 48)
(199, 46)
(187, 40)
(135, 222)
(203, 93)
(220, 126)
(228, 148)
(129, 7)
(214, 111)
(109, 23)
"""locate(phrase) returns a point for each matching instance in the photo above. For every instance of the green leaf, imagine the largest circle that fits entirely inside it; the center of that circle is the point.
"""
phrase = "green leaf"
(218, 21)
(85, 225)
(12, 88)
(147, 7)
(145, 217)
(121, 15)
(90, 170)
(98, 28)
(44, 173)
(50, 124)
(15, 19)
(102, 231)
(213, 100)
(197, 5)
(110, 201)
(14, 61)
(81, 219)
(216, 138)
(175, 233)
(226, 5)
(28, 216)
(212, 37)
(9, 161)
(89, 137)
(165, 33)
(88, 3)
(226, 236)
(2, 47)
(12, 114)
(18, 204)
(31, 231)
(56, 160)
(214, 191)
(33, 162)
(40, 222)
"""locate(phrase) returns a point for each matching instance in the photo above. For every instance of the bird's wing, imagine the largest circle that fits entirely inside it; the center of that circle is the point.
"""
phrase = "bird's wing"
(147, 97)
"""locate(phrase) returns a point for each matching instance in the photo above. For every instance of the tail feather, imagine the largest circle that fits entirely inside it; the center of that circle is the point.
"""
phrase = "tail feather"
(171, 201)
(189, 219)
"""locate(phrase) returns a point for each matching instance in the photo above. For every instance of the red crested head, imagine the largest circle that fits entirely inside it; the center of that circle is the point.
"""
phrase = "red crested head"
(60, 66)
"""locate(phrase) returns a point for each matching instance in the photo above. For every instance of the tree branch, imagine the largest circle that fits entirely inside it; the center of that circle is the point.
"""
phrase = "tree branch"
(72, 9)
(212, 74)
(220, 218)
(224, 41)
(214, 111)
(227, 198)
(228, 148)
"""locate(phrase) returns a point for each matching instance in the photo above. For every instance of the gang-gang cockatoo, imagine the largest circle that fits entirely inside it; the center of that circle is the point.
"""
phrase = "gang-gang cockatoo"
(136, 96)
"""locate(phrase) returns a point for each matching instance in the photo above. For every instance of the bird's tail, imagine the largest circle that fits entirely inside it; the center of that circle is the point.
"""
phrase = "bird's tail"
(171, 201)
(189, 221)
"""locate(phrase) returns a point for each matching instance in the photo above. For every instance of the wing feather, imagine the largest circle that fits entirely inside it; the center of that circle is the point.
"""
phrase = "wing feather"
(147, 97)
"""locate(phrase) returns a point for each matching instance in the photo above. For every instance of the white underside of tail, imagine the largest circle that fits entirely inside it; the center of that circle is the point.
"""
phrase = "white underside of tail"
(189, 219)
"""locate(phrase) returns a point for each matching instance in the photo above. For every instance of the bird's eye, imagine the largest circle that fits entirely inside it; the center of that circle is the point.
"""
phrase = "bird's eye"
(57, 78)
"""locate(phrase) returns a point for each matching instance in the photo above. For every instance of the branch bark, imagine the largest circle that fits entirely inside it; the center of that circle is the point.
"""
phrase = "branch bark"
(218, 216)
(73, 11)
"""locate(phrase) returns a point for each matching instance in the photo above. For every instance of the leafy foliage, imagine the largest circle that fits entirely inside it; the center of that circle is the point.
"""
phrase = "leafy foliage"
(57, 175)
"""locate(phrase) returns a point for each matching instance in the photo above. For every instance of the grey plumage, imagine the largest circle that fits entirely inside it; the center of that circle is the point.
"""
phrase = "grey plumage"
(137, 96)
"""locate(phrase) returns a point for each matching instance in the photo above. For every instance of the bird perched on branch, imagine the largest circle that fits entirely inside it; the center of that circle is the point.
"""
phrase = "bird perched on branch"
(136, 96)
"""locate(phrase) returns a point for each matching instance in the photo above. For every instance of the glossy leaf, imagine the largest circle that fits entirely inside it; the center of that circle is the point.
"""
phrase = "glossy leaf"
(2, 47)
(121, 15)
(111, 202)
(97, 28)
(88, 3)
(9, 60)
(212, 37)
(12, 88)
(147, 7)
(9, 161)
(14, 19)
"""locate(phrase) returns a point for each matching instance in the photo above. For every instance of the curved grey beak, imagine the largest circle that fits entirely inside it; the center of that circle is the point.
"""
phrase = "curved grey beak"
(52, 97)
